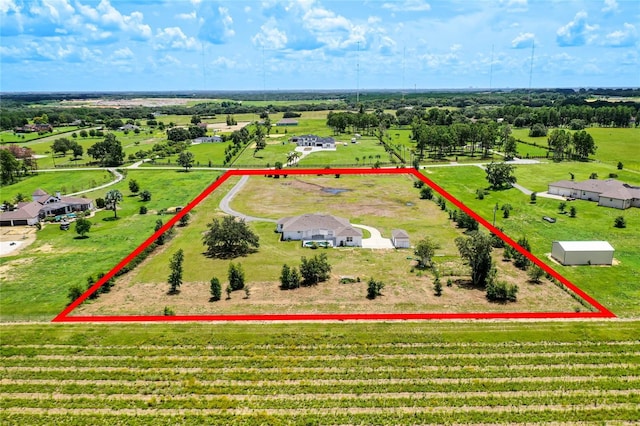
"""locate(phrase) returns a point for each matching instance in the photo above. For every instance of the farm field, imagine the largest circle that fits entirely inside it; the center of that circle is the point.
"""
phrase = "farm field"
(353, 373)
(616, 287)
(385, 202)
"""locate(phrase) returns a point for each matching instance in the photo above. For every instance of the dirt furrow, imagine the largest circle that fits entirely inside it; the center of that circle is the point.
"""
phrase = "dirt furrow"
(583, 408)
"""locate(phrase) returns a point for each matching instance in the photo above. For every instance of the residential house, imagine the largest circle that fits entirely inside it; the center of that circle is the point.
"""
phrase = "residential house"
(43, 205)
(207, 139)
(320, 227)
(608, 193)
(314, 141)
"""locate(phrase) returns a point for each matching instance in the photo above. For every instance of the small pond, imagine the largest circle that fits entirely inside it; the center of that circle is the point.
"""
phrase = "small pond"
(335, 191)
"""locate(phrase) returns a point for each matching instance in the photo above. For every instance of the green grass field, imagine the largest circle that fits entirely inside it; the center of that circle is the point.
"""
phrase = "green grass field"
(64, 260)
(321, 373)
(64, 181)
(616, 287)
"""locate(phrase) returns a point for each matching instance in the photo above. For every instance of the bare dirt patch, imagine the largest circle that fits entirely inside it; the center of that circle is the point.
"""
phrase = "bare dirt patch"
(223, 127)
(20, 236)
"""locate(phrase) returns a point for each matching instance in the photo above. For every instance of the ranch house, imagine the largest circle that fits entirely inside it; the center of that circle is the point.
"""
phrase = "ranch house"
(608, 193)
(337, 231)
(43, 205)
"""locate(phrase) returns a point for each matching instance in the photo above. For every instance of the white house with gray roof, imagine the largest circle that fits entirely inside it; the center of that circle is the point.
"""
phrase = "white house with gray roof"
(608, 193)
(320, 227)
(400, 238)
(314, 141)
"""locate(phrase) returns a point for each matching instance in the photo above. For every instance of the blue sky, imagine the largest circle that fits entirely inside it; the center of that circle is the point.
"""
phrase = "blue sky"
(112, 45)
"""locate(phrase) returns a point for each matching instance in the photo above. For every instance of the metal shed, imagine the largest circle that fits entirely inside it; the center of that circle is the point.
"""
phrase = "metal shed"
(582, 252)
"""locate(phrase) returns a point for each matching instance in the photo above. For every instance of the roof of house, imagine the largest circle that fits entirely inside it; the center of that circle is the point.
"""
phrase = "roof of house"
(585, 245)
(313, 138)
(27, 211)
(399, 233)
(306, 222)
(611, 188)
(287, 121)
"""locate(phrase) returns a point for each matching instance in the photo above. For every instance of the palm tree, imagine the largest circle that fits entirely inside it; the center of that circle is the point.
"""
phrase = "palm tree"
(112, 198)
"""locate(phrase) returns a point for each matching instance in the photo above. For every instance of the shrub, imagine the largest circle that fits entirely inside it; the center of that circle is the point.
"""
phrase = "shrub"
(100, 203)
(537, 130)
(535, 273)
(573, 211)
(168, 312)
(437, 287)
(236, 276)
(374, 289)
(620, 222)
(426, 193)
(418, 184)
(75, 291)
(480, 194)
(620, 165)
(143, 210)
(215, 289)
(534, 197)
(500, 291)
(145, 195)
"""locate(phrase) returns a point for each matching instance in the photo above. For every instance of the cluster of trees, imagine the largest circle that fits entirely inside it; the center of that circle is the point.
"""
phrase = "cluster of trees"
(108, 152)
(455, 139)
(563, 115)
(179, 134)
(565, 145)
(310, 272)
(62, 145)
(361, 122)
(500, 175)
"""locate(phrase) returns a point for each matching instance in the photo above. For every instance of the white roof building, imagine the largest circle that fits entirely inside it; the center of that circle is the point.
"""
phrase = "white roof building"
(583, 252)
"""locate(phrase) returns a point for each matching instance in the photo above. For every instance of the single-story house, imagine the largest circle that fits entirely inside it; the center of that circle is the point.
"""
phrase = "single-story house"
(287, 122)
(205, 139)
(400, 238)
(608, 193)
(314, 141)
(582, 252)
(320, 227)
(43, 204)
(129, 127)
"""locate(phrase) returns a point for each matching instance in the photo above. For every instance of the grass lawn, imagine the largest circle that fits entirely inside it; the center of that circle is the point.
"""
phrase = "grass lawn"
(616, 287)
(35, 281)
(385, 202)
(367, 151)
(10, 136)
(64, 181)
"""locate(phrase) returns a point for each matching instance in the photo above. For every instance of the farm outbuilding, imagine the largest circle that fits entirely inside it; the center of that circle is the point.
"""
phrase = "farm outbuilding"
(400, 238)
(582, 252)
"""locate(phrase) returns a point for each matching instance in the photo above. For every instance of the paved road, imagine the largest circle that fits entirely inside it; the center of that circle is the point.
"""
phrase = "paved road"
(224, 204)
(118, 177)
(375, 241)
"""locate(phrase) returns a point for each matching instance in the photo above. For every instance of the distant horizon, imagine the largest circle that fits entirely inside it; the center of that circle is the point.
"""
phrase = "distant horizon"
(297, 45)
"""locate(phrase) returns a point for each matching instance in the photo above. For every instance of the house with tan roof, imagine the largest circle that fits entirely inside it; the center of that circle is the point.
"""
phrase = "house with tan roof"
(317, 227)
(43, 205)
(608, 193)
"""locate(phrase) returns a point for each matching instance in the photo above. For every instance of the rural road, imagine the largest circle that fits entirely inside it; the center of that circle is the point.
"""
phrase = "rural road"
(118, 178)
(224, 204)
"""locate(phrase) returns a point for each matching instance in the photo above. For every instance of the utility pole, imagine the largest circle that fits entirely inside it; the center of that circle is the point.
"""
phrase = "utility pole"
(533, 43)
(491, 71)
(358, 75)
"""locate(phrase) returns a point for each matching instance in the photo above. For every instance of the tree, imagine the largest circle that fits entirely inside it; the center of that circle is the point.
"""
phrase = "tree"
(573, 211)
(175, 276)
(108, 152)
(184, 220)
(229, 238)
(506, 210)
(145, 195)
(74, 292)
(77, 149)
(537, 130)
(61, 145)
(426, 193)
(500, 174)
(112, 198)
(533, 197)
(133, 186)
(186, 160)
(519, 259)
(83, 133)
(215, 289)
(425, 249)
(559, 141)
(9, 166)
(620, 165)
(583, 144)
(562, 207)
(161, 237)
(178, 134)
(510, 148)
(236, 276)
(259, 135)
(374, 289)
(535, 273)
(437, 287)
(285, 276)
(476, 250)
(620, 222)
(315, 270)
(195, 119)
(82, 227)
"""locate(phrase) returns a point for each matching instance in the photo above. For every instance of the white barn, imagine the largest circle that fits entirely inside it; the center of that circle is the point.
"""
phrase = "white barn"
(582, 252)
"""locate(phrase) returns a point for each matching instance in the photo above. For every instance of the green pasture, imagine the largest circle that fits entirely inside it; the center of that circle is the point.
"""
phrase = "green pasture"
(614, 144)
(64, 181)
(616, 286)
(64, 260)
(366, 150)
(10, 136)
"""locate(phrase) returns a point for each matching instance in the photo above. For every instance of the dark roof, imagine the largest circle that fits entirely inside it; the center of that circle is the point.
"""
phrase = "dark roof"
(399, 233)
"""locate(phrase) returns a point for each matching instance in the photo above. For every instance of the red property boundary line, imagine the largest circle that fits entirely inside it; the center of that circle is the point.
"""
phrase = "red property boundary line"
(600, 310)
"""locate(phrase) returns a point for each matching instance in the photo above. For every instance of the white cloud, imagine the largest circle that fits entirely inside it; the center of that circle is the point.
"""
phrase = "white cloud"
(622, 38)
(577, 32)
(172, 38)
(124, 53)
(247, 9)
(270, 36)
(9, 5)
(523, 40)
(610, 6)
(187, 16)
(334, 31)
(408, 6)
(110, 18)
